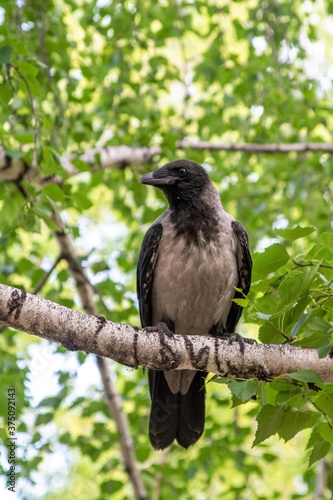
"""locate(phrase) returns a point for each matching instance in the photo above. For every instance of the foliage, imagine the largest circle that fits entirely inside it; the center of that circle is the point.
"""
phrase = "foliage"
(79, 74)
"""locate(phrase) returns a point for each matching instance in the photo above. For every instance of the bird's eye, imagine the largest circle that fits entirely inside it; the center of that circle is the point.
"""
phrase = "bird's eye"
(182, 172)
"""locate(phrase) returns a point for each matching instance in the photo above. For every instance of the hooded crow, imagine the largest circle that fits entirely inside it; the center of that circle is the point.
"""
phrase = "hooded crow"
(191, 260)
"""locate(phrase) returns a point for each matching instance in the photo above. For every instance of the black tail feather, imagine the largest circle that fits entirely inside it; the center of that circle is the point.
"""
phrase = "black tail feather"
(164, 413)
(192, 412)
(176, 416)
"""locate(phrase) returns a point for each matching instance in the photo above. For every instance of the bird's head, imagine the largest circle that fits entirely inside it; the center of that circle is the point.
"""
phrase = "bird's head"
(182, 181)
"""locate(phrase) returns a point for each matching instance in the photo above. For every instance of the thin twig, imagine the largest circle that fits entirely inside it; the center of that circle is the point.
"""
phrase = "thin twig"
(328, 420)
(46, 276)
(311, 264)
(159, 476)
(325, 296)
(288, 339)
(126, 443)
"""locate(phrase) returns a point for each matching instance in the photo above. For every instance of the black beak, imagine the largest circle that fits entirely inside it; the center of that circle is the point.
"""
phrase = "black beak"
(158, 179)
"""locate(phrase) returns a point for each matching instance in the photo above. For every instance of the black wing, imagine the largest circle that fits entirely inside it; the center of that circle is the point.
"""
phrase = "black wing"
(145, 272)
(244, 262)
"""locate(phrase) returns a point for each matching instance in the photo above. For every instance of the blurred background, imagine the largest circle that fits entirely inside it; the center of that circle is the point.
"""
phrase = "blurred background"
(78, 77)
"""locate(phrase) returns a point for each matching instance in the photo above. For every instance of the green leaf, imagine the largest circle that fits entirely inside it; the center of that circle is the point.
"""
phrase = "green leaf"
(316, 341)
(292, 234)
(317, 325)
(270, 335)
(28, 68)
(327, 239)
(306, 376)
(269, 422)
(325, 403)
(52, 401)
(319, 451)
(324, 351)
(50, 163)
(219, 380)
(111, 486)
(295, 284)
(82, 201)
(326, 431)
(14, 154)
(243, 390)
(81, 165)
(294, 422)
(316, 333)
(65, 438)
(6, 93)
(25, 138)
(241, 302)
(271, 259)
(44, 418)
(5, 54)
(320, 253)
(81, 356)
(54, 192)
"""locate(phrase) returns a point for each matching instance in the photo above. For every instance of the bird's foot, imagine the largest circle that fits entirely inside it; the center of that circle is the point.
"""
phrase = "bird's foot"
(162, 329)
(168, 356)
(236, 337)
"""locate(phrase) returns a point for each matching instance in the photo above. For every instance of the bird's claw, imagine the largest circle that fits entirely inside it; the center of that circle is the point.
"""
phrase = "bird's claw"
(236, 337)
(162, 329)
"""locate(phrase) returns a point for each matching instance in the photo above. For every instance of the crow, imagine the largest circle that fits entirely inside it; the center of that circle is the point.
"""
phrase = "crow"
(191, 260)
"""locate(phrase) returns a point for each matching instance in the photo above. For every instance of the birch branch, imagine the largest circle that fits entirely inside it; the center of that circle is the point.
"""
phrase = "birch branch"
(15, 169)
(303, 147)
(132, 346)
(126, 443)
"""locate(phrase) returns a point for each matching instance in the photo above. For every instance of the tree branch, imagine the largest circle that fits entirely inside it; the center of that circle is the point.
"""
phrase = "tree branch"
(132, 346)
(257, 148)
(126, 443)
(46, 276)
(14, 169)
(159, 476)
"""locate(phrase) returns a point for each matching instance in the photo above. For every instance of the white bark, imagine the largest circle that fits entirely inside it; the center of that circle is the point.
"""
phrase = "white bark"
(132, 346)
(12, 169)
(298, 147)
(127, 447)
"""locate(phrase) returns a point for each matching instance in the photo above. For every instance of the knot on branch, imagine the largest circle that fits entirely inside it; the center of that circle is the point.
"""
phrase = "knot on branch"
(69, 342)
(15, 303)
